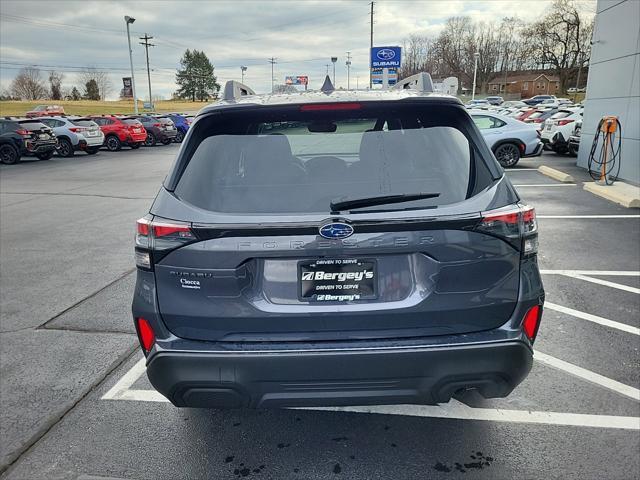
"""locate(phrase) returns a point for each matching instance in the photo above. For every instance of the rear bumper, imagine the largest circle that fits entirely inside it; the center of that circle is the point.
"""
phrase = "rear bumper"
(321, 377)
(537, 151)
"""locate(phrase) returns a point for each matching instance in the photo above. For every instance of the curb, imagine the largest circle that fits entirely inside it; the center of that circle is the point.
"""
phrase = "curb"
(556, 174)
(620, 193)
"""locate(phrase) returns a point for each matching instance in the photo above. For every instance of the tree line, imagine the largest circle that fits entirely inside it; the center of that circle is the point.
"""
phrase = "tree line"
(30, 84)
(559, 42)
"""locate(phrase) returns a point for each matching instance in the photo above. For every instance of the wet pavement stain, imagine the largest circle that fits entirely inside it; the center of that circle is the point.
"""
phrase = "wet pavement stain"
(229, 459)
(243, 470)
(480, 462)
(284, 445)
(340, 439)
(337, 468)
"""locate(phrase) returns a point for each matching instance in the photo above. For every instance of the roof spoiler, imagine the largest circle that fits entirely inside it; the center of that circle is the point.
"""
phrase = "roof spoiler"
(233, 90)
(420, 81)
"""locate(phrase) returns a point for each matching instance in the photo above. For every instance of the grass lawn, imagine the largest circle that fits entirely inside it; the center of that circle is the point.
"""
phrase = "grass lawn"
(87, 107)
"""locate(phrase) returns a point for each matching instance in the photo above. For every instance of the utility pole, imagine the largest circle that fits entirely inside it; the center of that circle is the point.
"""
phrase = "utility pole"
(272, 61)
(146, 44)
(244, 69)
(371, 47)
(334, 60)
(348, 70)
(475, 72)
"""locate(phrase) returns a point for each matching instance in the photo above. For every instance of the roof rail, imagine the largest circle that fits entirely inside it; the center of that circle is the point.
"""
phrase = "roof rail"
(420, 81)
(233, 90)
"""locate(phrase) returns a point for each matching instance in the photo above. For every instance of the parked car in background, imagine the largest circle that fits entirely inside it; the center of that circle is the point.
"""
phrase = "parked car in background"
(523, 113)
(513, 104)
(559, 127)
(75, 134)
(12, 145)
(39, 139)
(539, 115)
(495, 100)
(182, 123)
(538, 99)
(119, 131)
(45, 111)
(574, 139)
(159, 129)
(479, 103)
(509, 139)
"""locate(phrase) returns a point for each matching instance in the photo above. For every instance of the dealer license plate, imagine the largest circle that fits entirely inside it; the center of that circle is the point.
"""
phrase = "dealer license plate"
(337, 280)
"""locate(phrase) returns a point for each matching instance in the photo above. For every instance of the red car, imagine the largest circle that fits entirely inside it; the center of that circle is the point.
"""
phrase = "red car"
(45, 111)
(120, 131)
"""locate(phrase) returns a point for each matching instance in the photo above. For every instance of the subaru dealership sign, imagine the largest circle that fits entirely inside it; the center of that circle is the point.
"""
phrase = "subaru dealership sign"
(386, 57)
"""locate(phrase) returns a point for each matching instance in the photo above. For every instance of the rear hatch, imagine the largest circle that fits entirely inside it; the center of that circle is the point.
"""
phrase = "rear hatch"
(86, 127)
(134, 125)
(283, 236)
(36, 133)
(166, 124)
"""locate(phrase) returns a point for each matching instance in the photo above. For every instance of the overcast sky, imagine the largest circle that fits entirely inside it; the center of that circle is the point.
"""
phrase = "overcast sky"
(302, 35)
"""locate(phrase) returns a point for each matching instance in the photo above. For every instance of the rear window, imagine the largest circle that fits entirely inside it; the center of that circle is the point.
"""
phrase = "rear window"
(131, 121)
(284, 160)
(30, 125)
(84, 122)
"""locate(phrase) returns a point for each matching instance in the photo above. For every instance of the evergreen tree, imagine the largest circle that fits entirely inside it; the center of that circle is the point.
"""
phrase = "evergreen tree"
(195, 77)
(75, 94)
(92, 91)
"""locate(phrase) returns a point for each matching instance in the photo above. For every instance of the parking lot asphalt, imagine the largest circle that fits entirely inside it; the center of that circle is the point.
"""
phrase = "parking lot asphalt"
(76, 403)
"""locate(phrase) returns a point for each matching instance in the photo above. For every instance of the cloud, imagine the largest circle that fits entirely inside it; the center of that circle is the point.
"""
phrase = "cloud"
(303, 35)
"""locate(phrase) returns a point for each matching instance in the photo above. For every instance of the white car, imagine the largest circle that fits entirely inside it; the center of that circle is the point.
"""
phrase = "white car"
(75, 133)
(509, 139)
(557, 129)
(478, 103)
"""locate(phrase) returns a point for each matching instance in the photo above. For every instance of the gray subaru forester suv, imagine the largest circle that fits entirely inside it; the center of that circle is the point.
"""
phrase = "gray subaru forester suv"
(336, 248)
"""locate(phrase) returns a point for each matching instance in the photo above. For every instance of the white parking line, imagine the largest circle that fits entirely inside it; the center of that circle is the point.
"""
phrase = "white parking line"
(587, 216)
(588, 375)
(458, 410)
(606, 273)
(545, 185)
(606, 283)
(593, 318)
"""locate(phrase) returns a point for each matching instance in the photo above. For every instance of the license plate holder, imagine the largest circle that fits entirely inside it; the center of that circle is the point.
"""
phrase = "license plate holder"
(337, 280)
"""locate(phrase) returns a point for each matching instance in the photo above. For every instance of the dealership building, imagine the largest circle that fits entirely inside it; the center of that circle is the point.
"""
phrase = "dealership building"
(613, 87)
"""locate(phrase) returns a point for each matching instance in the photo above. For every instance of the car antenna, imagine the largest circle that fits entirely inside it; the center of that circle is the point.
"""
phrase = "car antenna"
(327, 86)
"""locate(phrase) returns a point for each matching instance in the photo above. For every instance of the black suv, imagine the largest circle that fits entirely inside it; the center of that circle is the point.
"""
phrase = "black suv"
(11, 141)
(336, 248)
(39, 140)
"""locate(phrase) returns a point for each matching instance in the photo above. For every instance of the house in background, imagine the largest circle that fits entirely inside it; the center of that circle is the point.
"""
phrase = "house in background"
(524, 84)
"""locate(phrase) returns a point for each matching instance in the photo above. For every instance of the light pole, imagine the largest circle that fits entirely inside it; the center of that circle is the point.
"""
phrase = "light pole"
(129, 20)
(334, 60)
(348, 63)
(475, 72)
(242, 70)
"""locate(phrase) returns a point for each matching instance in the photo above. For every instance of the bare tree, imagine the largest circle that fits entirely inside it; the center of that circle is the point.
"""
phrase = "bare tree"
(55, 84)
(101, 78)
(28, 84)
(562, 39)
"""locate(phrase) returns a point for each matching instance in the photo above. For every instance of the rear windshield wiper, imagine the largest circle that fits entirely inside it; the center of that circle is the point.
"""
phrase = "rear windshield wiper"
(337, 206)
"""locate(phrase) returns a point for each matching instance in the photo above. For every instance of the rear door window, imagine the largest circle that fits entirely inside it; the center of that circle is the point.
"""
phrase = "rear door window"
(289, 160)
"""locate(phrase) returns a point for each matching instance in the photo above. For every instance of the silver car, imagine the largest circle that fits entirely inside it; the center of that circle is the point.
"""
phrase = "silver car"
(509, 139)
(75, 133)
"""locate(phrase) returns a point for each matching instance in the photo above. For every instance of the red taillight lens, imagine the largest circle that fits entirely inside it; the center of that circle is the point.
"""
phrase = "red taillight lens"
(23, 132)
(143, 226)
(564, 122)
(158, 238)
(531, 322)
(78, 129)
(157, 124)
(166, 229)
(316, 107)
(516, 224)
(145, 334)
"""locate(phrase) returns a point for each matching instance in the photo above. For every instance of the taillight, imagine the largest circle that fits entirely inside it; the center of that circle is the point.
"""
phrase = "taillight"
(145, 334)
(564, 122)
(156, 238)
(23, 132)
(157, 124)
(315, 107)
(78, 129)
(531, 322)
(515, 224)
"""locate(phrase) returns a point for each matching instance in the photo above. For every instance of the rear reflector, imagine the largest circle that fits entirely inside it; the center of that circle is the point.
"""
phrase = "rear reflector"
(315, 107)
(531, 322)
(145, 334)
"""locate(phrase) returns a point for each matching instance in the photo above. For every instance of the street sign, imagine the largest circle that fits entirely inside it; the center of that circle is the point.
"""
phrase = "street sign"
(386, 57)
(296, 80)
(377, 75)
